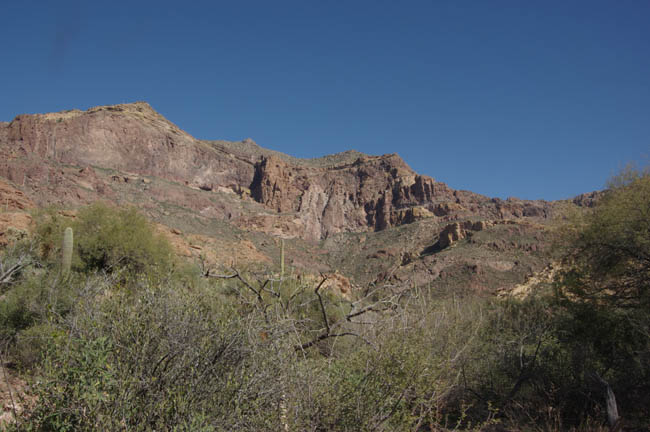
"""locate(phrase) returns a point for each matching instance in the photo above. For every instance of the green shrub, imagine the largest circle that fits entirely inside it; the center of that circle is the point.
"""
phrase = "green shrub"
(50, 227)
(106, 239)
(608, 251)
(15, 315)
(157, 358)
(604, 293)
(32, 342)
(37, 299)
(75, 384)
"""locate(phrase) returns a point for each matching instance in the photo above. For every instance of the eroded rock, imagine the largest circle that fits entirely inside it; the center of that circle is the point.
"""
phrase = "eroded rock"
(312, 199)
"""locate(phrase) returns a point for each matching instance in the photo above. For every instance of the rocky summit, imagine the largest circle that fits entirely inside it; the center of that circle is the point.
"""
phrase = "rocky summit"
(365, 218)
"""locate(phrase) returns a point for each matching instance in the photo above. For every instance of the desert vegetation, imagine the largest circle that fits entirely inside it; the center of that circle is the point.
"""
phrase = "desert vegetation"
(122, 335)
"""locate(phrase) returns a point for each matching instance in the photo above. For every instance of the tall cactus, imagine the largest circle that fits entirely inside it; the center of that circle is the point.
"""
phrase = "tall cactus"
(67, 251)
(281, 258)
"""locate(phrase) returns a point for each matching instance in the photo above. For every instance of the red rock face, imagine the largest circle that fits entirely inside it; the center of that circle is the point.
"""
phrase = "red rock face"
(131, 138)
(11, 199)
(372, 193)
(55, 158)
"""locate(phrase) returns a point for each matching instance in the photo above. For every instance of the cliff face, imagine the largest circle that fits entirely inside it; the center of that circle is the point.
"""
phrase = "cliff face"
(227, 202)
(76, 156)
(372, 193)
(129, 138)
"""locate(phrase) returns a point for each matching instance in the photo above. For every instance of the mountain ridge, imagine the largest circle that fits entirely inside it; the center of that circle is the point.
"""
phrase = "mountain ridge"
(371, 218)
(366, 192)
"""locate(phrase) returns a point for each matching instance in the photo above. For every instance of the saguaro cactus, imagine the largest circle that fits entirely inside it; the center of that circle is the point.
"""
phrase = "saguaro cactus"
(281, 258)
(66, 250)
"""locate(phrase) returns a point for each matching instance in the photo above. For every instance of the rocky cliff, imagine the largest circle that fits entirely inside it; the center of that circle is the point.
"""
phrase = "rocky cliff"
(369, 219)
(128, 138)
(311, 199)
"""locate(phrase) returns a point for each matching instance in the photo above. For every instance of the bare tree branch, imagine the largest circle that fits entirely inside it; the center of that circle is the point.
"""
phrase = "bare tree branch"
(237, 275)
(323, 337)
(322, 306)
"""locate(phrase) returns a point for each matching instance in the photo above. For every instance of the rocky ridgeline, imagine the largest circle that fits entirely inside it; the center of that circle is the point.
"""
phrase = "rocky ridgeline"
(311, 200)
(228, 202)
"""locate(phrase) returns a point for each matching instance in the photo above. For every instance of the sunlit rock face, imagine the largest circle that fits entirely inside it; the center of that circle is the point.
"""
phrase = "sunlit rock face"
(80, 156)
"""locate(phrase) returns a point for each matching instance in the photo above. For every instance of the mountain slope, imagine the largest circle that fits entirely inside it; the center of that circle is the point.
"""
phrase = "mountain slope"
(230, 192)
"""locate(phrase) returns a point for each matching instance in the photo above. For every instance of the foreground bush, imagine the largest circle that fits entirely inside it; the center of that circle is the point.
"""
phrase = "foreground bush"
(159, 359)
(604, 290)
(106, 239)
(124, 343)
(141, 354)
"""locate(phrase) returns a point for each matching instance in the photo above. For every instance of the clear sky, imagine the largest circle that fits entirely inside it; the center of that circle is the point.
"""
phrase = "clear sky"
(506, 98)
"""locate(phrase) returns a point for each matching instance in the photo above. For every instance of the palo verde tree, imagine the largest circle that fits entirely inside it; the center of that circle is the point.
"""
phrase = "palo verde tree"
(609, 250)
(605, 286)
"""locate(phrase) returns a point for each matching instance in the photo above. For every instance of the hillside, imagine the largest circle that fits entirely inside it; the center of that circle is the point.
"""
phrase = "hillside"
(367, 217)
(152, 281)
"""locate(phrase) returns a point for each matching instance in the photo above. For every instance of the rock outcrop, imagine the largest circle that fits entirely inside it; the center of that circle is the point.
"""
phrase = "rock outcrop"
(12, 199)
(458, 231)
(129, 138)
(225, 203)
(58, 157)
(372, 193)
(587, 199)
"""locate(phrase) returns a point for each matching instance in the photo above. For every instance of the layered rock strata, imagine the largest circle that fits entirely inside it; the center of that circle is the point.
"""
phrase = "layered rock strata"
(56, 155)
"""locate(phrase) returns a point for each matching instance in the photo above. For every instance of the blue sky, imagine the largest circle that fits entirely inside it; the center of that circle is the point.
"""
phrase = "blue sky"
(505, 98)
